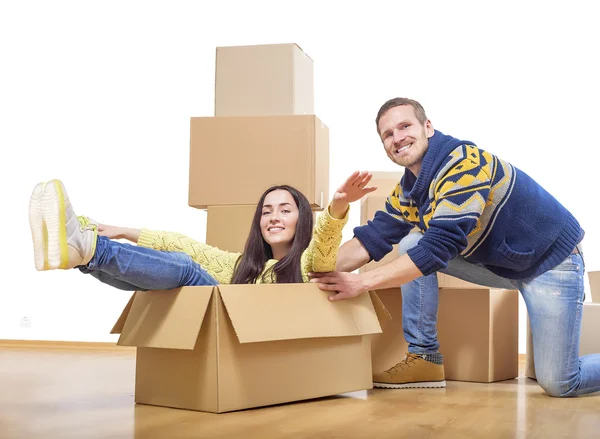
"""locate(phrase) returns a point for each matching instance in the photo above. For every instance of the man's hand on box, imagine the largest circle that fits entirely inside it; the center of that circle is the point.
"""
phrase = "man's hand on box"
(346, 285)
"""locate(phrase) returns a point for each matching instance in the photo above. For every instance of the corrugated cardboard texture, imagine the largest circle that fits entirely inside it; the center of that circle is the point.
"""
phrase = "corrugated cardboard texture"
(303, 311)
(477, 330)
(488, 319)
(589, 342)
(165, 319)
(220, 373)
(259, 374)
(182, 378)
(594, 278)
(263, 80)
(227, 169)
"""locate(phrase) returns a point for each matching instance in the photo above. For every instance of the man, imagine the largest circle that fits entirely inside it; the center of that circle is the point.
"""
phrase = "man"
(481, 220)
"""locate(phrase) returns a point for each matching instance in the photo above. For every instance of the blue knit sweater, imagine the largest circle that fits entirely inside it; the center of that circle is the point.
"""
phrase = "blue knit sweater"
(469, 202)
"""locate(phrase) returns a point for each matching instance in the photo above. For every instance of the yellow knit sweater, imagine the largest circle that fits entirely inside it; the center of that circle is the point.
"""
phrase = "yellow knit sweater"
(320, 256)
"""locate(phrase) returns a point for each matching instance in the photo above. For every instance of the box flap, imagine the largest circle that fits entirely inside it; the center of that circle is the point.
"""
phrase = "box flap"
(165, 319)
(121, 321)
(383, 314)
(292, 311)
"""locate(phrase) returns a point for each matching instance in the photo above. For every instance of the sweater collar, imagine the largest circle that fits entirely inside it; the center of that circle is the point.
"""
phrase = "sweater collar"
(440, 146)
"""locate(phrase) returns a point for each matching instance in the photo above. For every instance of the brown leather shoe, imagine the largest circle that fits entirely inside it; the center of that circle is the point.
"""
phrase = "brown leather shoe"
(412, 372)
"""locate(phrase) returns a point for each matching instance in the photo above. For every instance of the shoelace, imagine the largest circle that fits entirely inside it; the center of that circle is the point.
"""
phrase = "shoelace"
(405, 363)
(85, 223)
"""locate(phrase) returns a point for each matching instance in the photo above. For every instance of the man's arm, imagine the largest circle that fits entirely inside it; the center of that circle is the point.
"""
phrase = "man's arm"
(348, 285)
(351, 256)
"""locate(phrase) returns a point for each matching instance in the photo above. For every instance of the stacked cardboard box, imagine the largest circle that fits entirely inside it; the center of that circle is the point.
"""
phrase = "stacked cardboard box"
(477, 325)
(232, 347)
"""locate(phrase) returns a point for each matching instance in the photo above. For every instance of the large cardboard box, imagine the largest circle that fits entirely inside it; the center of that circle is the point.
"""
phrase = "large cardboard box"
(477, 331)
(232, 347)
(233, 160)
(227, 227)
(263, 80)
(589, 342)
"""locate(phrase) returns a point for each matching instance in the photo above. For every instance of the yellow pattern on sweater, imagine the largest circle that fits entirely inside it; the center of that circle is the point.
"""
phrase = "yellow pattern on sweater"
(320, 256)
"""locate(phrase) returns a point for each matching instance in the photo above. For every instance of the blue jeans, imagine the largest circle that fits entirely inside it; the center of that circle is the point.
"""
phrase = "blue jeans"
(134, 268)
(554, 303)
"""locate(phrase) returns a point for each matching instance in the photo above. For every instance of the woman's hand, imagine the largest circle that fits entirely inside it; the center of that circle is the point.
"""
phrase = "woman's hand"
(354, 188)
(114, 232)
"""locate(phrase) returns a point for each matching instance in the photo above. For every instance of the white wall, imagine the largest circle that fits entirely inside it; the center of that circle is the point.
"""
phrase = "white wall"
(100, 96)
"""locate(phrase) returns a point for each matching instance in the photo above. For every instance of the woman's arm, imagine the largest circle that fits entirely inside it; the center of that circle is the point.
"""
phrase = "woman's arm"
(114, 232)
(321, 254)
(218, 263)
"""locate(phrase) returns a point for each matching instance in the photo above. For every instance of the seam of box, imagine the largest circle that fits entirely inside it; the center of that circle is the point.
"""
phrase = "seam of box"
(215, 310)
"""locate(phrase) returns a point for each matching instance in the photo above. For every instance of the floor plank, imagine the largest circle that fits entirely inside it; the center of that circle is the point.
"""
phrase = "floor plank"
(79, 393)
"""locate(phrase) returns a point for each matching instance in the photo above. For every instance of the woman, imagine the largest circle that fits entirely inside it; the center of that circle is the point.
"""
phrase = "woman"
(279, 247)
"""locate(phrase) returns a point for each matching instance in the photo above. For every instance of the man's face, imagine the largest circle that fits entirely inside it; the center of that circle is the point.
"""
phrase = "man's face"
(404, 138)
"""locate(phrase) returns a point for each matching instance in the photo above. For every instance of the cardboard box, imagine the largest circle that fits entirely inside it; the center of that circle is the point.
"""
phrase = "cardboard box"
(263, 80)
(589, 342)
(487, 320)
(447, 281)
(232, 347)
(389, 346)
(385, 182)
(594, 278)
(477, 331)
(227, 227)
(233, 160)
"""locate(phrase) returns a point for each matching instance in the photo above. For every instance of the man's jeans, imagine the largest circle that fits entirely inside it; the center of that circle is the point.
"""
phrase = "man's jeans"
(131, 267)
(554, 303)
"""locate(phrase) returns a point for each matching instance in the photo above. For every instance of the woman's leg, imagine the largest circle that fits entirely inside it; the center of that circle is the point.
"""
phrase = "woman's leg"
(131, 267)
(62, 240)
(555, 302)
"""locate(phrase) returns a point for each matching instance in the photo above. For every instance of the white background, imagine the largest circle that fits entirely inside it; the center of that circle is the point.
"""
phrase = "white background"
(99, 94)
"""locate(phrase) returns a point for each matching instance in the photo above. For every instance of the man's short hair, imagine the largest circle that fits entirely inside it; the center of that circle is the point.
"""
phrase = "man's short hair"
(396, 102)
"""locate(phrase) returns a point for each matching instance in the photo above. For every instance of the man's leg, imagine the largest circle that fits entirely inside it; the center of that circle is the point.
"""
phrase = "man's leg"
(555, 303)
(131, 267)
(422, 366)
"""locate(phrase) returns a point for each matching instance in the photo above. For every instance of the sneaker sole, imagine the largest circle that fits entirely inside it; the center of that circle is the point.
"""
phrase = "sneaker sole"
(39, 233)
(54, 213)
(421, 385)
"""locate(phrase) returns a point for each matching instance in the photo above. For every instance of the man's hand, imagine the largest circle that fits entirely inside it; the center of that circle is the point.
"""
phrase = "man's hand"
(347, 285)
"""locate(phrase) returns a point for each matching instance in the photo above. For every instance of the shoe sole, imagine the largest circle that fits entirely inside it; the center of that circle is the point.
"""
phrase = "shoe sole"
(421, 385)
(39, 233)
(54, 213)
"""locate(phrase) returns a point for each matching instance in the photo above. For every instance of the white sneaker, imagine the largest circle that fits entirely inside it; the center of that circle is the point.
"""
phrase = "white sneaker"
(39, 233)
(66, 240)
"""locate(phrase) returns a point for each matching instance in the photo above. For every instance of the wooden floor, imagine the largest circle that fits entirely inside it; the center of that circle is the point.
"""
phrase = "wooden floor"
(78, 393)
